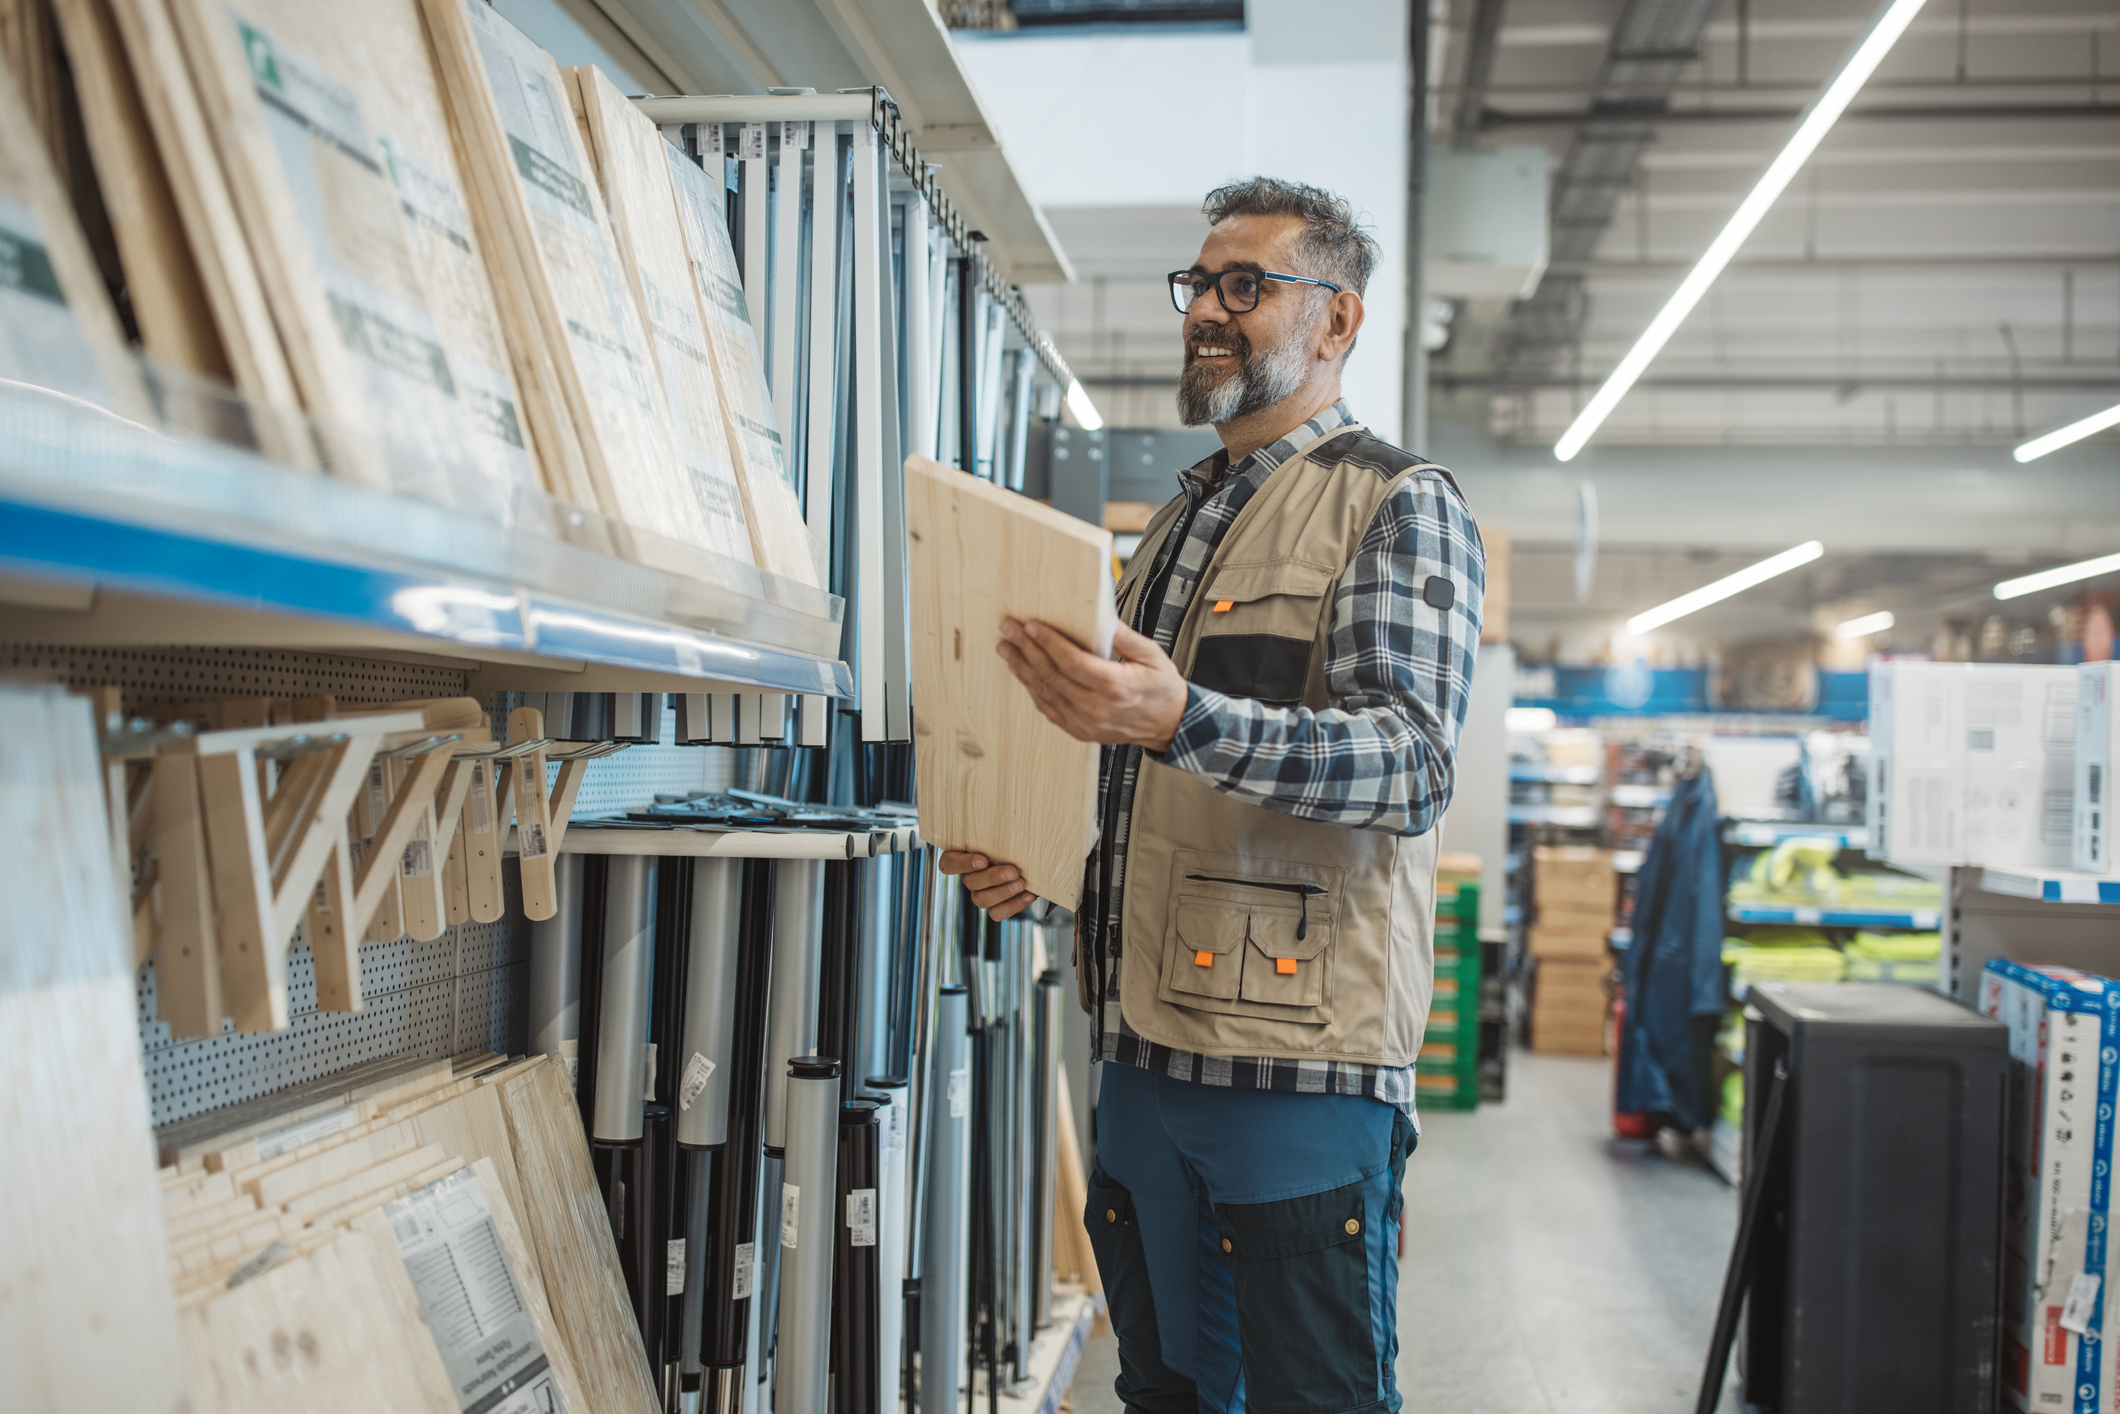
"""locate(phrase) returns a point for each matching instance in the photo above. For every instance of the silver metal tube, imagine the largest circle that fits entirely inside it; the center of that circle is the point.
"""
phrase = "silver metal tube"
(791, 1022)
(622, 1024)
(1050, 1022)
(808, 1229)
(710, 1003)
(1023, 1195)
(942, 1279)
(556, 964)
(894, 1149)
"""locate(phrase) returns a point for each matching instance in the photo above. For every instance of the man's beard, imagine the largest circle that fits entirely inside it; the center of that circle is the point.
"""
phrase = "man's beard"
(1208, 396)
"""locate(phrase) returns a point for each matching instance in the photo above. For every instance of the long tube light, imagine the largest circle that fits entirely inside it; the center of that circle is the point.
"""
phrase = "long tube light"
(2060, 574)
(2060, 437)
(1865, 626)
(1811, 130)
(1723, 588)
(1084, 410)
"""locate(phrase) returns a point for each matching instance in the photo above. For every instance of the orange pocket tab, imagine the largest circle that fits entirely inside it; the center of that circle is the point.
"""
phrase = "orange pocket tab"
(1223, 606)
(1286, 966)
(1203, 958)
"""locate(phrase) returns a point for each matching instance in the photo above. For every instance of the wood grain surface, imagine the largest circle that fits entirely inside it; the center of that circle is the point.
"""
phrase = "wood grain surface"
(995, 776)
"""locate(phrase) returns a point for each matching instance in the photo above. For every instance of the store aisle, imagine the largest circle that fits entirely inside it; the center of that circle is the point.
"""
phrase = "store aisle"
(1549, 1269)
(1553, 1269)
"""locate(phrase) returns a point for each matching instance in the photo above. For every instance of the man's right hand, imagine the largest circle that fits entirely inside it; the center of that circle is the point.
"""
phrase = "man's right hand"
(997, 888)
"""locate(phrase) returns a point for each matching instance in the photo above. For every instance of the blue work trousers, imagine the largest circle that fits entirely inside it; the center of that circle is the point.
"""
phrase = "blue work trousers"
(1248, 1241)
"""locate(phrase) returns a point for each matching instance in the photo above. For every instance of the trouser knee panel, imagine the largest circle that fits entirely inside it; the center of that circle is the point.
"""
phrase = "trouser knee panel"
(1301, 1267)
(1145, 1383)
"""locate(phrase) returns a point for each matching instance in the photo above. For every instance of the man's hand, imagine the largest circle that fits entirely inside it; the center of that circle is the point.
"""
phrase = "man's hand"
(997, 888)
(1136, 699)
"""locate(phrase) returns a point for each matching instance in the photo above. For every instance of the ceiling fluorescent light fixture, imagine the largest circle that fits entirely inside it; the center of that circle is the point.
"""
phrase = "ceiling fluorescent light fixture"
(1530, 719)
(1811, 129)
(1723, 588)
(2060, 574)
(1084, 410)
(2060, 437)
(1865, 626)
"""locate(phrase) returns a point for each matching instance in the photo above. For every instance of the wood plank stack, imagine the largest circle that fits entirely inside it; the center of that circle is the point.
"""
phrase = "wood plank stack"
(340, 1204)
(1575, 890)
(383, 217)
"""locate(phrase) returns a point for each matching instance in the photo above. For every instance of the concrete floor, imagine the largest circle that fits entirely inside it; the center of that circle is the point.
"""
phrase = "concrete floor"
(1550, 1268)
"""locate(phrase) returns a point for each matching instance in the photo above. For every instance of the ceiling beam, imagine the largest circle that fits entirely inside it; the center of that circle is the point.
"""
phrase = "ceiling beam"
(1479, 69)
(1637, 115)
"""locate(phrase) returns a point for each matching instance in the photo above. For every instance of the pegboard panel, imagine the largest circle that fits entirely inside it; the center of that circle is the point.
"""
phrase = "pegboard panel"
(160, 677)
(635, 776)
(468, 988)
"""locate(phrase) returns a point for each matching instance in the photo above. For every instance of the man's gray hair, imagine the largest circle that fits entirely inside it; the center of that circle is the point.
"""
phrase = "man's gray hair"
(1334, 246)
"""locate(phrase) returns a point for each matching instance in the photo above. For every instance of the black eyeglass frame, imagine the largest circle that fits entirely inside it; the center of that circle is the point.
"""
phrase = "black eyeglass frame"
(1182, 280)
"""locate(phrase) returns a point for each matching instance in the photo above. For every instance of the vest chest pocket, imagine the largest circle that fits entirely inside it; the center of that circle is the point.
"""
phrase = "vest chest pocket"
(1209, 956)
(1258, 626)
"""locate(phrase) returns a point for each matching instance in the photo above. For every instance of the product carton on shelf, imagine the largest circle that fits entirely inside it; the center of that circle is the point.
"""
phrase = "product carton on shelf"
(2064, 1030)
(2095, 724)
(1974, 763)
(1570, 938)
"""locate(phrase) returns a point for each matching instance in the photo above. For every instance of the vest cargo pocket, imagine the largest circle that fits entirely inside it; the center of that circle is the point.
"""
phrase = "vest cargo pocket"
(1281, 969)
(1207, 959)
(1259, 628)
(1301, 1270)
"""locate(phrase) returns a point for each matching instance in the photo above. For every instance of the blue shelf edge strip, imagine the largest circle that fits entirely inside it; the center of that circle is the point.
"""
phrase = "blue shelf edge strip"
(50, 542)
(2078, 890)
(1923, 919)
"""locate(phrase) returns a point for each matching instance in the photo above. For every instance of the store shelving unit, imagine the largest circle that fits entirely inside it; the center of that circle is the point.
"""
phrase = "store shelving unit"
(1919, 919)
(1765, 834)
(1566, 817)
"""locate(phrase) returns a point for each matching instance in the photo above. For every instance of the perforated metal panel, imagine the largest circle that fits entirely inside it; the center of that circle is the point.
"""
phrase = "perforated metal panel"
(638, 774)
(157, 677)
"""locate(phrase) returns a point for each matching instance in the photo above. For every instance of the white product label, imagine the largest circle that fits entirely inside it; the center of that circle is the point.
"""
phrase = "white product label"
(960, 1093)
(698, 1071)
(674, 1268)
(294, 1136)
(574, 1064)
(378, 801)
(794, 135)
(474, 1310)
(894, 1126)
(647, 1091)
(2082, 1303)
(751, 144)
(481, 808)
(861, 1216)
(419, 857)
(531, 840)
(790, 1210)
(746, 1269)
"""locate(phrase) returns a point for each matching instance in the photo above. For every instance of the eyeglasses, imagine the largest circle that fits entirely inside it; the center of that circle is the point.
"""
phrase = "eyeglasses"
(1238, 290)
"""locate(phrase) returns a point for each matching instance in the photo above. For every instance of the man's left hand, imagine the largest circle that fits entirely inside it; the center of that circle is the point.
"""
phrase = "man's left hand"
(1135, 699)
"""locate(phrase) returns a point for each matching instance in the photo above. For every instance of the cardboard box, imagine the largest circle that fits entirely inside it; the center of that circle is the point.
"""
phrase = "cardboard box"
(1568, 941)
(1978, 763)
(1568, 1041)
(2064, 1029)
(2091, 838)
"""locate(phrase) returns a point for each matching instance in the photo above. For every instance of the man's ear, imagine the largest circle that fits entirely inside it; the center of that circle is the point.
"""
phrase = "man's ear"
(1343, 320)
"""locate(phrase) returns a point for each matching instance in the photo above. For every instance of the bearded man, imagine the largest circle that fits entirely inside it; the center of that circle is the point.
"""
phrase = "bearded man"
(1255, 937)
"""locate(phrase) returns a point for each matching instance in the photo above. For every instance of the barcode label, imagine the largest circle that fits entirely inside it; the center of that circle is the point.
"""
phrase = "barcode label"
(322, 901)
(751, 144)
(378, 800)
(790, 1213)
(2082, 1303)
(861, 1216)
(746, 1269)
(419, 859)
(698, 1071)
(533, 840)
(960, 1093)
(794, 135)
(481, 810)
(674, 1268)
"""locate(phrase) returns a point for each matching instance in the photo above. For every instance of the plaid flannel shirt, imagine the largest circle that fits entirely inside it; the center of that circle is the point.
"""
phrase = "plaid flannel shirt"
(1380, 758)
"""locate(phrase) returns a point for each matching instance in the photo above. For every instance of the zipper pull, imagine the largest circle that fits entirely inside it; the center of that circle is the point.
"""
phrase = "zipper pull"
(1303, 923)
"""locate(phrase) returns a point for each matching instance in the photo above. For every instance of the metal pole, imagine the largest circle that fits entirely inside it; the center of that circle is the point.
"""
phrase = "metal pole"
(802, 1369)
(891, 1198)
(798, 888)
(942, 1259)
(857, 1366)
(622, 1030)
(589, 982)
(967, 364)
(556, 964)
(702, 1071)
(1416, 393)
(839, 958)
(1047, 1131)
(727, 1343)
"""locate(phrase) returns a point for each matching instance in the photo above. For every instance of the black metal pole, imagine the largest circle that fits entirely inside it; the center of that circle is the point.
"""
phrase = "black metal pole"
(856, 1358)
(967, 363)
(838, 983)
(733, 1184)
(595, 870)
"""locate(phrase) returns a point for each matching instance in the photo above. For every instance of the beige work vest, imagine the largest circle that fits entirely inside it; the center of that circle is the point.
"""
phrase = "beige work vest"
(1247, 932)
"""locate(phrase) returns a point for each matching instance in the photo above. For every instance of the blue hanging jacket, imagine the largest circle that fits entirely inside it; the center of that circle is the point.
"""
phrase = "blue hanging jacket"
(1673, 969)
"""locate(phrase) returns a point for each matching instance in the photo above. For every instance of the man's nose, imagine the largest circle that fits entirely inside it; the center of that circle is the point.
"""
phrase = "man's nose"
(1207, 309)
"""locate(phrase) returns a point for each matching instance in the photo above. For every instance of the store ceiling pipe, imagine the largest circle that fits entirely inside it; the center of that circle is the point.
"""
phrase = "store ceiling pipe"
(802, 1368)
(791, 1025)
(1811, 129)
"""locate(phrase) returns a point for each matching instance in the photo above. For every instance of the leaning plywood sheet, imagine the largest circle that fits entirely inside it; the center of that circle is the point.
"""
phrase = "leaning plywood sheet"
(995, 776)
(565, 1216)
(636, 185)
(88, 1320)
(56, 326)
(328, 125)
(168, 297)
(537, 196)
(784, 544)
(227, 274)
